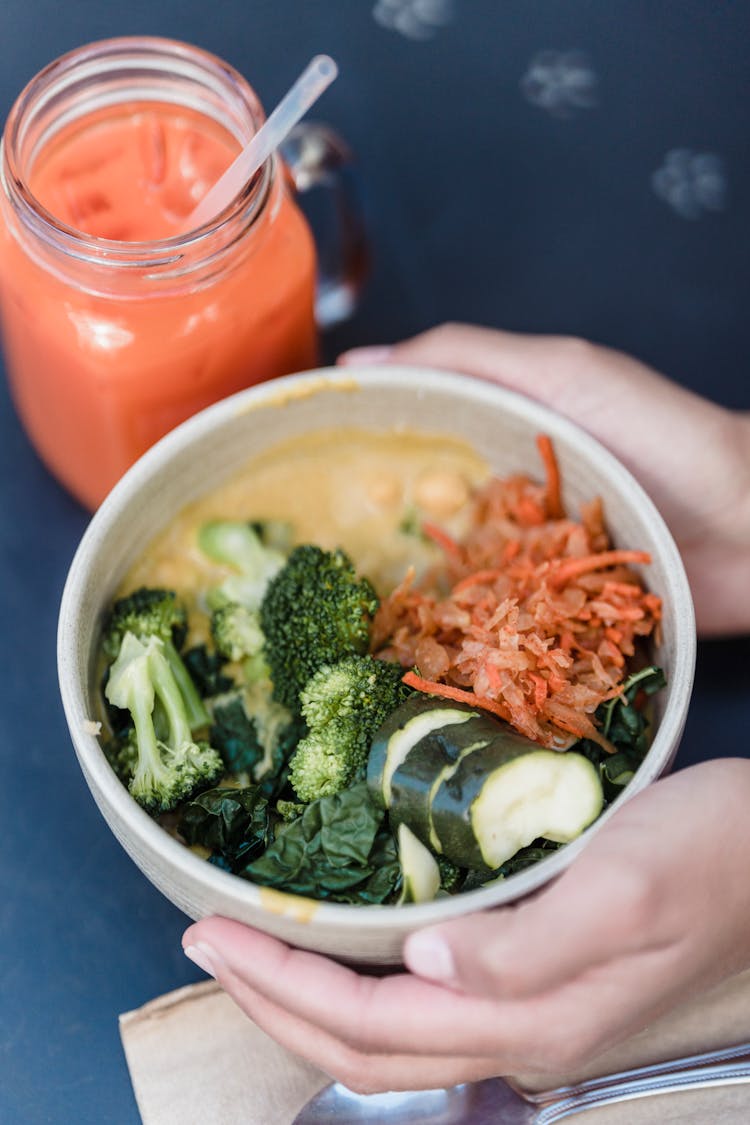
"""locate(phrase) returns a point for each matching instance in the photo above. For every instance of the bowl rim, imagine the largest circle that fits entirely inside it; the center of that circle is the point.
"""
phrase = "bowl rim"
(190, 867)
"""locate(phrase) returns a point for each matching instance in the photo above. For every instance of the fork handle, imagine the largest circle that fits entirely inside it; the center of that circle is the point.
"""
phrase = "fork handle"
(700, 1077)
(738, 1053)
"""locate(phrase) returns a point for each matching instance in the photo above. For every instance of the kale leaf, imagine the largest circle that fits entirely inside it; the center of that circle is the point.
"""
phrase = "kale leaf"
(626, 725)
(205, 668)
(332, 851)
(235, 736)
(234, 823)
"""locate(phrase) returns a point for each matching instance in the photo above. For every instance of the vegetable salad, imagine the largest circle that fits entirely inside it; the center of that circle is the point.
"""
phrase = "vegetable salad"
(369, 749)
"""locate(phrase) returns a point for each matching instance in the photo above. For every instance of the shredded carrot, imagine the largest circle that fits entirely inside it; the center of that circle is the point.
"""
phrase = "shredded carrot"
(479, 578)
(542, 614)
(432, 687)
(448, 544)
(573, 568)
(553, 497)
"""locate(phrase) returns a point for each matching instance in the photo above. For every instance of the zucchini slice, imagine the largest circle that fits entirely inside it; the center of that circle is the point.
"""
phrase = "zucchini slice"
(402, 731)
(508, 793)
(416, 780)
(419, 868)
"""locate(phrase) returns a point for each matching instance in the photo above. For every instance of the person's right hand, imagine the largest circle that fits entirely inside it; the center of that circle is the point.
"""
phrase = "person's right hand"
(691, 455)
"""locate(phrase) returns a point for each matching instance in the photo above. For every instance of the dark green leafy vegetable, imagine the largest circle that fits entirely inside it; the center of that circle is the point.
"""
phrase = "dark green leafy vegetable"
(328, 851)
(256, 737)
(206, 669)
(522, 860)
(627, 728)
(526, 857)
(229, 821)
(235, 736)
(623, 723)
(384, 884)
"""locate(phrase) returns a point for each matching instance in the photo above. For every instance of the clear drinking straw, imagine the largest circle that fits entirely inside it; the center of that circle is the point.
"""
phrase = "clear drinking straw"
(316, 78)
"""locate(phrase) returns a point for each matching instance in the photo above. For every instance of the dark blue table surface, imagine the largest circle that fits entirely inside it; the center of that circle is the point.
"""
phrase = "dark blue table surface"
(542, 165)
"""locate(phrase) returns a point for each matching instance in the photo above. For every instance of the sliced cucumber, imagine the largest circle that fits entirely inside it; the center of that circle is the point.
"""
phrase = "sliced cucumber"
(403, 730)
(419, 868)
(505, 795)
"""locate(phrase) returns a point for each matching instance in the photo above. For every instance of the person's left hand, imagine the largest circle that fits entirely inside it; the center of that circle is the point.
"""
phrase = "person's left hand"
(657, 906)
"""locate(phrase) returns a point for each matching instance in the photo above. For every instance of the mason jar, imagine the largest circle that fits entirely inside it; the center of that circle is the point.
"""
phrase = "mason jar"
(110, 337)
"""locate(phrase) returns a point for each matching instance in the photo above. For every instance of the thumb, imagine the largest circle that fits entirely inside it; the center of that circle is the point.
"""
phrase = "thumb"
(625, 404)
(575, 924)
(562, 372)
(601, 389)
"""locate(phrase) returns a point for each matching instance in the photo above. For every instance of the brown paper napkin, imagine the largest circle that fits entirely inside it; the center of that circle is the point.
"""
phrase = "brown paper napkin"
(195, 1057)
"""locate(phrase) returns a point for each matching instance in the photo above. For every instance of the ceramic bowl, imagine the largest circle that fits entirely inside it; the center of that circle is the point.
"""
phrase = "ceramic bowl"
(200, 455)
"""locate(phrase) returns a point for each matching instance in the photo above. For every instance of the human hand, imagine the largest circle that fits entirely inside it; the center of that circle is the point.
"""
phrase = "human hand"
(657, 909)
(692, 456)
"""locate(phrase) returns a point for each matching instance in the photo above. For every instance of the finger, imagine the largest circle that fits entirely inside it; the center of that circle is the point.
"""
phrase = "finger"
(363, 1073)
(600, 910)
(569, 1027)
(394, 1014)
(546, 367)
(592, 385)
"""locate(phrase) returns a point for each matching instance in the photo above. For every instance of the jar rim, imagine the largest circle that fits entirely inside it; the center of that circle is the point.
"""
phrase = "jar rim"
(221, 76)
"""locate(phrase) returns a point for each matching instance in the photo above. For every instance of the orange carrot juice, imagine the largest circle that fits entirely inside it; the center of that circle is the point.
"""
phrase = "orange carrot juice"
(117, 323)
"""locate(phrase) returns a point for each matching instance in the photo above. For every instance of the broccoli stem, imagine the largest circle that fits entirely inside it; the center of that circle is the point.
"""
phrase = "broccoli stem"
(170, 696)
(150, 771)
(195, 709)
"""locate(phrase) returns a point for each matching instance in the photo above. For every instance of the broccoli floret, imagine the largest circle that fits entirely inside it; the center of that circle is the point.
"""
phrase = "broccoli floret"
(255, 669)
(343, 704)
(147, 612)
(150, 612)
(167, 770)
(290, 810)
(451, 876)
(122, 754)
(324, 763)
(316, 611)
(239, 546)
(236, 631)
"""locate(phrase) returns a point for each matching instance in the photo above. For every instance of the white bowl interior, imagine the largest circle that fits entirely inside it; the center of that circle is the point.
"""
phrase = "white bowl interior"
(198, 457)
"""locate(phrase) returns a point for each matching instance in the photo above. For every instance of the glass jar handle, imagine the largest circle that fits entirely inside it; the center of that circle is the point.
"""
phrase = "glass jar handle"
(318, 158)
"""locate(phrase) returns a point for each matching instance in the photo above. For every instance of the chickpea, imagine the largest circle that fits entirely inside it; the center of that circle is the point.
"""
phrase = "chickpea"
(384, 491)
(441, 492)
(168, 573)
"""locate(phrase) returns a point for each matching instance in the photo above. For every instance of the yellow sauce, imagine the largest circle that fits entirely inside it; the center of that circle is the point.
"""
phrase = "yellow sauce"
(346, 488)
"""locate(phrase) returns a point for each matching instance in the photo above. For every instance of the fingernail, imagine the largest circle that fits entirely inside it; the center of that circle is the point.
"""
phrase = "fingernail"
(204, 957)
(362, 357)
(429, 955)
